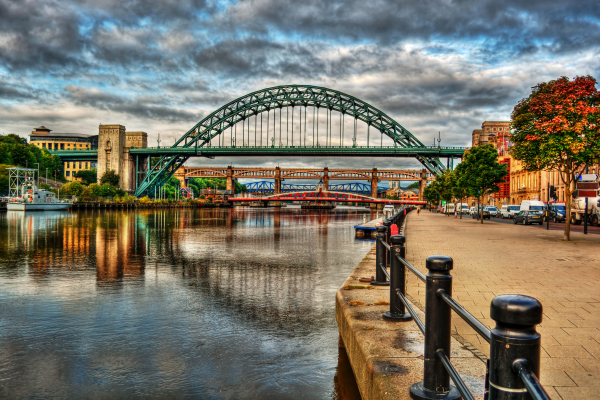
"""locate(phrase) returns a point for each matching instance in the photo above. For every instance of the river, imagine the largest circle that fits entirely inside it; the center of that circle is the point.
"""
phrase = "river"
(200, 303)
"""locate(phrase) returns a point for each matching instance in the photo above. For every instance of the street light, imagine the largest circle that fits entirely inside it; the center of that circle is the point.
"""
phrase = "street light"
(38, 168)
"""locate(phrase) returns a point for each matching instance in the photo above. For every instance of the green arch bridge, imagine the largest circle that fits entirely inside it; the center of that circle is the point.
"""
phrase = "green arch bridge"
(256, 125)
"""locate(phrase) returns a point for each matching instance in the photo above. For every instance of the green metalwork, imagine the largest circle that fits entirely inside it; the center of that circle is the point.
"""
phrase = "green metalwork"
(197, 141)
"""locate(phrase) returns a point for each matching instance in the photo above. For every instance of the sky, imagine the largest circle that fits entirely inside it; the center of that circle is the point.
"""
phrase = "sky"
(160, 66)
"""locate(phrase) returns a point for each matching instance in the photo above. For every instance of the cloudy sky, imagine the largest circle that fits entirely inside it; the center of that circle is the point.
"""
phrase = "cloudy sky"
(161, 65)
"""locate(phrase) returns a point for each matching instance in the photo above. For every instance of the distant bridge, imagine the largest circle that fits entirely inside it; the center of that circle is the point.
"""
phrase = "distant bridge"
(320, 196)
(325, 174)
(269, 187)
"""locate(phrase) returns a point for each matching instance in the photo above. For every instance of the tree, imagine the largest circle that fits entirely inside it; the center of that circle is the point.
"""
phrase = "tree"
(414, 185)
(88, 176)
(430, 195)
(460, 190)
(110, 177)
(557, 128)
(73, 188)
(443, 187)
(22, 157)
(481, 173)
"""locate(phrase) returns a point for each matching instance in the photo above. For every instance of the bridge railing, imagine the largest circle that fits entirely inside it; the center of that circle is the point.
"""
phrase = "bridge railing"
(513, 368)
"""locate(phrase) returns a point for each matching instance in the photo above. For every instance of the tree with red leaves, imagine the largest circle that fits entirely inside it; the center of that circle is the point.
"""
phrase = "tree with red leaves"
(557, 128)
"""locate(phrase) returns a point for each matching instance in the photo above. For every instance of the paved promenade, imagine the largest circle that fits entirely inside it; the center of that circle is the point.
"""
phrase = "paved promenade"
(495, 258)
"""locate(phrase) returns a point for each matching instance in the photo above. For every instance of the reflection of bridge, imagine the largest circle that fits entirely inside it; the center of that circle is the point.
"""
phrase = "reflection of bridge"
(320, 196)
(253, 125)
(325, 174)
(269, 187)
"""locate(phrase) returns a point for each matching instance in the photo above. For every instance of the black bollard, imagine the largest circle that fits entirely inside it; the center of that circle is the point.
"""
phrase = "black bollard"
(514, 338)
(387, 223)
(380, 254)
(397, 281)
(438, 324)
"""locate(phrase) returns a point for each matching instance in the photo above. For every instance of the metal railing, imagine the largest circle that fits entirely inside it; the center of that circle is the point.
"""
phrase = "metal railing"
(515, 346)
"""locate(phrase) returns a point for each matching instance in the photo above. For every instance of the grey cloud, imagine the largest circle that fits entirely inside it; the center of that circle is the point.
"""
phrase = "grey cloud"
(560, 25)
(104, 101)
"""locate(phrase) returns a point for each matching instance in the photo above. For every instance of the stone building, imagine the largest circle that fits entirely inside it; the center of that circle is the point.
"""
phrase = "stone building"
(43, 138)
(113, 153)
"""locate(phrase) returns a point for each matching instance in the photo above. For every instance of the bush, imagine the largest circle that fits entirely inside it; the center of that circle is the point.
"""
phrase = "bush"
(110, 177)
(73, 188)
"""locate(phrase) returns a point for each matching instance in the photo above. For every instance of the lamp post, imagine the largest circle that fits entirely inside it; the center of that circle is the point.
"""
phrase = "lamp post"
(38, 177)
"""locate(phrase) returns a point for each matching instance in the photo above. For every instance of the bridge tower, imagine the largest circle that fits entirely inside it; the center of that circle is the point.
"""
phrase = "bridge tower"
(374, 182)
(180, 175)
(422, 183)
(326, 179)
(277, 180)
(229, 185)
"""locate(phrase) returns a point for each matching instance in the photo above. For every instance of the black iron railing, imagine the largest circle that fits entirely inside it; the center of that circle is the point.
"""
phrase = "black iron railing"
(515, 346)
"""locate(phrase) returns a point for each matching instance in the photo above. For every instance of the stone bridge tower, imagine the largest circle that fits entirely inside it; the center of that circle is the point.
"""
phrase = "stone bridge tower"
(113, 153)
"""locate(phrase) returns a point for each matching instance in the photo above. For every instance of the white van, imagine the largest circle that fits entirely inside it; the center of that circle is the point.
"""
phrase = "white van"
(532, 205)
(465, 208)
(449, 207)
(509, 211)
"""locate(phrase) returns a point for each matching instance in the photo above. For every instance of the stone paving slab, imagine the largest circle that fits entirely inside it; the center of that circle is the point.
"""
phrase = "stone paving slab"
(495, 258)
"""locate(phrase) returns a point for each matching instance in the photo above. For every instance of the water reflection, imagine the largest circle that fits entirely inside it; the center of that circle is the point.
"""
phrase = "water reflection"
(200, 303)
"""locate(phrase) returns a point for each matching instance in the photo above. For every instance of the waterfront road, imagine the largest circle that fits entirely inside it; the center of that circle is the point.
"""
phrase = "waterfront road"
(496, 258)
(558, 226)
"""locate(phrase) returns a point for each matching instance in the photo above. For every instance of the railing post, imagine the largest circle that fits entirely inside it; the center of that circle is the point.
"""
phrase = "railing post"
(438, 324)
(387, 223)
(379, 257)
(397, 281)
(514, 337)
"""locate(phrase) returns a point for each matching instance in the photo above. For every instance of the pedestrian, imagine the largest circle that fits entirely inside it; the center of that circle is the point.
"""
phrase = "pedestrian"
(418, 210)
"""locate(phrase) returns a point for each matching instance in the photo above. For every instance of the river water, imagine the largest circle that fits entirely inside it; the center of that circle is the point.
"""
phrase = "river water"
(202, 303)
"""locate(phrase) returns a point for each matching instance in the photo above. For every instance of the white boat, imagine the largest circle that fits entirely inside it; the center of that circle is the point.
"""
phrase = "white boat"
(33, 199)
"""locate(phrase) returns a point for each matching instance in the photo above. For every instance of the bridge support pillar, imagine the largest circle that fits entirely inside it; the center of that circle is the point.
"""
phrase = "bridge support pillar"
(374, 182)
(326, 179)
(229, 185)
(422, 183)
(180, 175)
(277, 180)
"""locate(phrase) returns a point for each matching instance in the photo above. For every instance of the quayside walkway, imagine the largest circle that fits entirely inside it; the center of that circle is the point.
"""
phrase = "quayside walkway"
(495, 258)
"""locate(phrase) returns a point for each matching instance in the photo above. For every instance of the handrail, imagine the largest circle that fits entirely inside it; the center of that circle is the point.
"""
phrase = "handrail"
(412, 269)
(533, 386)
(460, 384)
(411, 311)
(387, 246)
(465, 315)
(384, 271)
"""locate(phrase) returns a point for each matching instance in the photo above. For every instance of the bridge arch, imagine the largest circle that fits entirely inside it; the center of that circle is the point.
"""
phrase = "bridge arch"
(201, 135)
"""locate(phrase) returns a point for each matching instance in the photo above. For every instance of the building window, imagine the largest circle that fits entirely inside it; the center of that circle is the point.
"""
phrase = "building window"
(62, 146)
(87, 165)
(44, 145)
(79, 165)
(68, 173)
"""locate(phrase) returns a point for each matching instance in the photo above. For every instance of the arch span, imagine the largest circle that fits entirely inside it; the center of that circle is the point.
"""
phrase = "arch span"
(201, 135)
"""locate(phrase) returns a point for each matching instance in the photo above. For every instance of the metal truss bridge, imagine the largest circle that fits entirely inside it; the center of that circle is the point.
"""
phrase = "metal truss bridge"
(269, 187)
(290, 121)
(321, 196)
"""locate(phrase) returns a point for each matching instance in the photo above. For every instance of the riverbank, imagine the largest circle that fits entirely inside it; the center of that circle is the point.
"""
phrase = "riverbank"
(146, 205)
(387, 357)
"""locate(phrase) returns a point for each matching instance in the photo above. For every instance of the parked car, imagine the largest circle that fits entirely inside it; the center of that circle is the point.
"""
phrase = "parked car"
(558, 212)
(509, 211)
(529, 217)
(493, 210)
(471, 211)
(486, 213)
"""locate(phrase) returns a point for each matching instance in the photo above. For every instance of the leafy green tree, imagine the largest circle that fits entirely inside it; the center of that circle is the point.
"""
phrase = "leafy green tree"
(88, 176)
(557, 128)
(73, 188)
(430, 194)
(414, 185)
(22, 156)
(482, 173)
(460, 190)
(110, 177)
